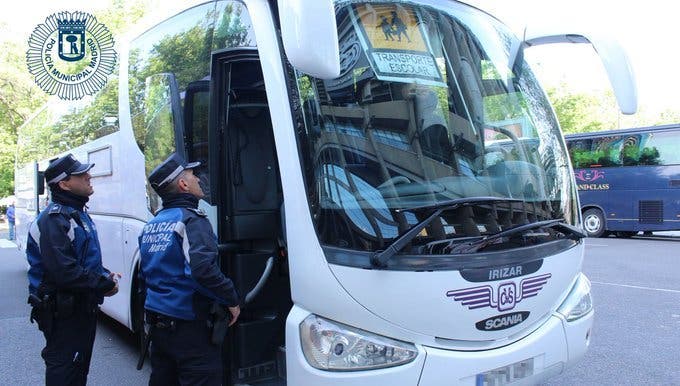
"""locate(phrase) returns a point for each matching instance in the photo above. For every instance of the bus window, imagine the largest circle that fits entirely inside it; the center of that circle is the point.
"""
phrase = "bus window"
(62, 125)
(661, 148)
(598, 152)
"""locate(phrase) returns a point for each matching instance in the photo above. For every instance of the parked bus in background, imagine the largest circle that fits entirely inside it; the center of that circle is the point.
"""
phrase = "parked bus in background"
(628, 180)
(373, 226)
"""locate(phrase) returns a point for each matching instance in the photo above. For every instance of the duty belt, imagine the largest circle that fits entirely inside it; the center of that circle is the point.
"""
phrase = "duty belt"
(160, 321)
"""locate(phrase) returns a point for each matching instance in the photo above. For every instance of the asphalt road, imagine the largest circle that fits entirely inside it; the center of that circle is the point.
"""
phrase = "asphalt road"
(636, 336)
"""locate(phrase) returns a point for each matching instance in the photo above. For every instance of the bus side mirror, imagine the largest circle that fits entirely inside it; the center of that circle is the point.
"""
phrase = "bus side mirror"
(310, 36)
(40, 183)
(613, 56)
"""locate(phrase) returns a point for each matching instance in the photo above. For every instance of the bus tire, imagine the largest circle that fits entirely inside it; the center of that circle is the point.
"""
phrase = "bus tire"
(593, 223)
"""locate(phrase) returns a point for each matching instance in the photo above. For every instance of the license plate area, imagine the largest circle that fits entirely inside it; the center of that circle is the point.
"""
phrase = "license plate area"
(506, 374)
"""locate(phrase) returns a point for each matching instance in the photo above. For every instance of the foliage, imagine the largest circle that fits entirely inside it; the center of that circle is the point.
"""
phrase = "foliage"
(597, 111)
(184, 58)
(231, 31)
(577, 113)
(20, 97)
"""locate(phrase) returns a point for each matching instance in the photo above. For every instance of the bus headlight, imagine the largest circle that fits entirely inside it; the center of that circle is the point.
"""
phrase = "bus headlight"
(579, 302)
(334, 346)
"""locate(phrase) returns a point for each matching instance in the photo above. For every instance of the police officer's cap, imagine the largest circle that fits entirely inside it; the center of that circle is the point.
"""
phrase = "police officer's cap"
(63, 167)
(168, 170)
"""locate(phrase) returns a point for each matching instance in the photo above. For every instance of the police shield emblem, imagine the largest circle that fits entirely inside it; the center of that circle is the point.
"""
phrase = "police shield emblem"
(71, 39)
(68, 38)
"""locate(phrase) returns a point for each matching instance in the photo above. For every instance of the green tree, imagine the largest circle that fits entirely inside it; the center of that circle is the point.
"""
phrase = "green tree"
(577, 113)
(20, 97)
(596, 111)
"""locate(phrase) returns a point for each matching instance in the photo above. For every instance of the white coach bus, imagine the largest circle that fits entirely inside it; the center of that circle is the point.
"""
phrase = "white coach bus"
(376, 232)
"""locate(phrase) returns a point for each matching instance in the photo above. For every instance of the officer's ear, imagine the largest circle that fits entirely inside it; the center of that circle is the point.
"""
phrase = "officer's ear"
(182, 183)
(64, 184)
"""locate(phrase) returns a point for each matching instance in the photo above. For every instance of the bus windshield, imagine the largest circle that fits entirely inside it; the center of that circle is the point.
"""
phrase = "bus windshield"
(433, 104)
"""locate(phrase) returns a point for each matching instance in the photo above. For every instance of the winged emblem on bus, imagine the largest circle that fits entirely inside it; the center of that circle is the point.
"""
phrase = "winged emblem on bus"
(503, 298)
(586, 175)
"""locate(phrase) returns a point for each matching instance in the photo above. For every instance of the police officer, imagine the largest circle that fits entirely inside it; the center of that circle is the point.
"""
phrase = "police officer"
(178, 254)
(67, 281)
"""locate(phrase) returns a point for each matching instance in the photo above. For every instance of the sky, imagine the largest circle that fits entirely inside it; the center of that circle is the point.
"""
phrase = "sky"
(648, 33)
(646, 30)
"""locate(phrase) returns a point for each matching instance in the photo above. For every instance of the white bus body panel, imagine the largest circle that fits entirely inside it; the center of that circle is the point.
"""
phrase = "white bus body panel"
(418, 301)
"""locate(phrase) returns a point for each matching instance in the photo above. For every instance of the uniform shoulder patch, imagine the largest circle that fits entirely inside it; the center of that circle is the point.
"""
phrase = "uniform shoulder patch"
(198, 211)
(56, 209)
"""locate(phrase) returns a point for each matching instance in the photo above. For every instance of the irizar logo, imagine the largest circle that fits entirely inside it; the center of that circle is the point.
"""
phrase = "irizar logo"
(501, 322)
(504, 273)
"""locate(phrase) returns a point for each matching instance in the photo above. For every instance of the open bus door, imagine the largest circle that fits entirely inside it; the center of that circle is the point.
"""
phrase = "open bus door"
(246, 188)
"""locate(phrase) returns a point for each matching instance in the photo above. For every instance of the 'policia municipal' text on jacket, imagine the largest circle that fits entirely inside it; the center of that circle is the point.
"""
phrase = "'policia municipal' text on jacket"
(63, 249)
(178, 260)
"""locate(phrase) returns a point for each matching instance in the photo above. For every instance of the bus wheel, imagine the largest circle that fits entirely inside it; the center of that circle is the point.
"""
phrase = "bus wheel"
(593, 222)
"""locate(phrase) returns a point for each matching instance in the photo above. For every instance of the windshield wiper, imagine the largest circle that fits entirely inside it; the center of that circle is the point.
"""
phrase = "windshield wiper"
(380, 258)
(559, 224)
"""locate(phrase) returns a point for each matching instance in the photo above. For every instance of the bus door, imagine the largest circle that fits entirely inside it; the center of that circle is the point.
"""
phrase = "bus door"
(246, 188)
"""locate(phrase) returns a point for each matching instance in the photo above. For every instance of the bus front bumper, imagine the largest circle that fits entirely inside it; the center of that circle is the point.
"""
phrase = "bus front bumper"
(544, 353)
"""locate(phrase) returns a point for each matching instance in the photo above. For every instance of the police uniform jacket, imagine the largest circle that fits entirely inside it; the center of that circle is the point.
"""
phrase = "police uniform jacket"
(63, 249)
(178, 253)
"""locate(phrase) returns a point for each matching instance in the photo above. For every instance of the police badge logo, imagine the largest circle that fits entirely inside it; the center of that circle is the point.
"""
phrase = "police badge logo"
(71, 55)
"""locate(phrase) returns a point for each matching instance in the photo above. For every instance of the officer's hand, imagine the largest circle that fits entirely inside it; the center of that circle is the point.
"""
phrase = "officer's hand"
(115, 276)
(113, 291)
(235, 312)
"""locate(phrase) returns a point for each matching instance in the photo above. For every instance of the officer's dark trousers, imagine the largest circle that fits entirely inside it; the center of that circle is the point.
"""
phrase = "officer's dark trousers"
(68, 350)
(183, 355)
